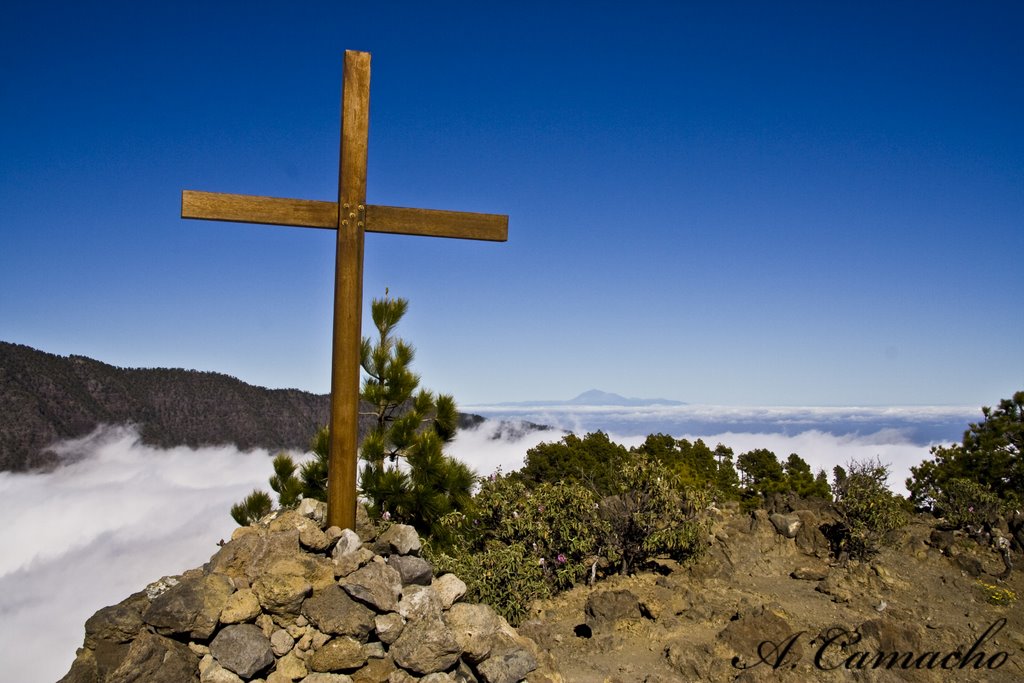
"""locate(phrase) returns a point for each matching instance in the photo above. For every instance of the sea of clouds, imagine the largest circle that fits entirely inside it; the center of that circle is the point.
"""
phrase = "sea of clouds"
(119, 514)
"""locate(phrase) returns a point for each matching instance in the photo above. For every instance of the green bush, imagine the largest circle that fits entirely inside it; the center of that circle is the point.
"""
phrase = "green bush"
(540, 540)
(650, 514)
(966, 503)
(506, 577)
(867, 509)
(253, 507)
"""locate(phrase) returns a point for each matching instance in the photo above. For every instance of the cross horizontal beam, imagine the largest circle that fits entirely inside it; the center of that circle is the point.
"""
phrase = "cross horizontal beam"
(309, 213)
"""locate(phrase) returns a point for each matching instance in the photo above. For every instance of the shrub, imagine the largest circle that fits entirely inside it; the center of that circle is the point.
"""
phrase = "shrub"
(867, 509)
(965, 503)
(997, 595)
(650, 515)
(540, 540)
(253, 507)
(506, 577)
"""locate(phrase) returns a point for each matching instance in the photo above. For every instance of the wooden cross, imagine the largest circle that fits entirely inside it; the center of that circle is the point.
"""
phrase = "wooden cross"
(351, 217)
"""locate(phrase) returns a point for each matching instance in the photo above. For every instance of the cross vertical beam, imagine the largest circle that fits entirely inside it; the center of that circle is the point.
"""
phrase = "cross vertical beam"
(352, 218)
(348, 292)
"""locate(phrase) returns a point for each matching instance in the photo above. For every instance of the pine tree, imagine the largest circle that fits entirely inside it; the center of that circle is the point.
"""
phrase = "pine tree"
(405, 475)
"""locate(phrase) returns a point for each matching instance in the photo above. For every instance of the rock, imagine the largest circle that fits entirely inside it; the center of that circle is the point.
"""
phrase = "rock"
(449, 589)
(787, 525)
(281, 593)
(376, 584)
(332, 611)
(193, 606)
(118, 623)
(479, 631)
(749, 629)
(440, 677)
(968, 565)
(252, 554)
(604, 608)
(412, 569)
(809, 574)
(242, 648)
(809, 537)
(942, 540)
(375, 671)
(241, 606)
(327, 678)
(399, 538)
(511, 667)
(281, 642)
(348, 542)
(426, 644)
(315, 510)
(346, 564)
(151, 658)
(215, 673)
(291, 667)
(337, 654)
(108, 633)
(388, 627)
(311, 536)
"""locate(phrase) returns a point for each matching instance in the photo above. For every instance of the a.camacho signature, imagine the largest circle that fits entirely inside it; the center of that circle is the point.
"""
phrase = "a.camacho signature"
(834, 651)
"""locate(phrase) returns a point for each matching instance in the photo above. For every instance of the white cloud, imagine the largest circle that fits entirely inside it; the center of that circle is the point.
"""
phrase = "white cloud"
(91, 533)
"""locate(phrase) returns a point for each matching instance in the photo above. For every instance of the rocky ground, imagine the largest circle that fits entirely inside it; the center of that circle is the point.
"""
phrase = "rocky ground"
(768, 598)
(289, 601)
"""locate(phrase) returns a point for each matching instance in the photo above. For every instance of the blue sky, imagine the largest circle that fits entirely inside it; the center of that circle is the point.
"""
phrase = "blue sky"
(735, 202)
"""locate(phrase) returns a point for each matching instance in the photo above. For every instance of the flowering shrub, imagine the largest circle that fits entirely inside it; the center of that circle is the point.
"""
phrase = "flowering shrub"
(540, 540)
(650, 514)
(965, 503)
(997, 595)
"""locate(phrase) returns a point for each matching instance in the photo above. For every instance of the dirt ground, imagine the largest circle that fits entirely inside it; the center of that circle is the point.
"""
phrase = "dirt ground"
(915, 612)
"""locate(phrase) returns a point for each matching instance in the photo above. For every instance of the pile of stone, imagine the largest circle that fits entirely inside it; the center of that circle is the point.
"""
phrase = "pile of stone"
(287, 600)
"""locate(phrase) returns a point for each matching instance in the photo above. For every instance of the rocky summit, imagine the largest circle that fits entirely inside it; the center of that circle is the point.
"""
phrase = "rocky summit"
(287, 600)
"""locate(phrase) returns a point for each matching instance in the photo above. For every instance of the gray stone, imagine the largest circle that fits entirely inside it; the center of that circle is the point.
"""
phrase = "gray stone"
(243, 649)
(193, 606)
(281, 642)
(787, 525)
(510, 667)
(412, 569)
(155, 659)
(376, 584)
(332, 611)
(399, 538)
(337, 654)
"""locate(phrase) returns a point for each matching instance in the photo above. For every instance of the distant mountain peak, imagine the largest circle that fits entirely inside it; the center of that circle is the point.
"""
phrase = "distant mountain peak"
(596, 397)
